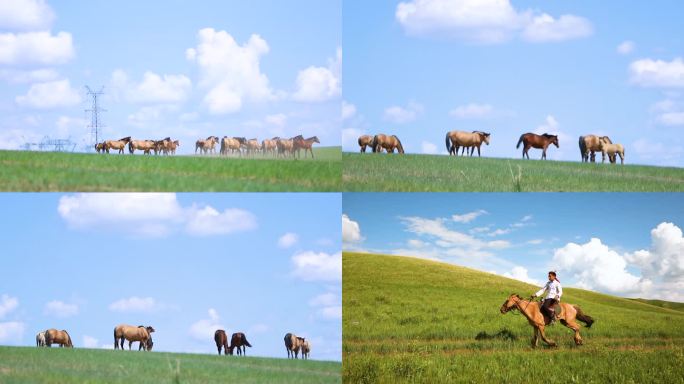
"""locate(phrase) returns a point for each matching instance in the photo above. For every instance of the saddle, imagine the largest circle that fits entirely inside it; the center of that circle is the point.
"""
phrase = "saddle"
(557, 310)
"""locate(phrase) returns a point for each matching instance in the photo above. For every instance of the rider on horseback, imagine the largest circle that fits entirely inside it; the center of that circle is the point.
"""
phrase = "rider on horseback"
(554, 291)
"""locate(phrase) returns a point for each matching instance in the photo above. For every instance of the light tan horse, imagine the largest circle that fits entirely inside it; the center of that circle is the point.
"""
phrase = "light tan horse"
(305, 144)
(252, 146)
(269, 146)
(232, 144)
(117, 144)
(590, 144)
(128, 332)
(612, 150)
(172, 147)
(53, 336)
(389, 143)
(306, 349)
(285, 146)
(365, 141)
(145, 145)
(162, 146)
(456, 139)
(40, 339)
(293, 344)
(206, 145)
(568, 316)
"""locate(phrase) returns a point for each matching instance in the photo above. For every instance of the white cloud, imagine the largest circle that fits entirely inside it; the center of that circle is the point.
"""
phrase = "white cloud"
(287, 240)
(203, 330)
(312, 266)
(657, 73)
(316, 84)
(7, 304)
(545, 28)
(468, 217)
(12, 332)
(25, 15)
(351, 232)
(20, 76)
(60, 309)
(329, 305)
(208, 221)
(429, 148)
(348, 110)
(520, 273)
(230, 72)
(625, 48)
(657, 152)
(53, 94)
(279, 119)
(472, 111)
(665, 258)
(35, 48)
(135, 304)
(90, 342)
(669, 112)
(153, 88)
(403, 115)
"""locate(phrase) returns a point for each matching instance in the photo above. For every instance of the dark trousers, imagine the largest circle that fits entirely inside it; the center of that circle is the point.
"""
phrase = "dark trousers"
(547, 307)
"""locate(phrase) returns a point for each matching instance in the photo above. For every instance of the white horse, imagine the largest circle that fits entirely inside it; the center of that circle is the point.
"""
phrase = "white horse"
(40, 339)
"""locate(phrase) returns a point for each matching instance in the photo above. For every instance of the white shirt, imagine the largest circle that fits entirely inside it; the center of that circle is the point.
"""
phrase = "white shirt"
(553, 289)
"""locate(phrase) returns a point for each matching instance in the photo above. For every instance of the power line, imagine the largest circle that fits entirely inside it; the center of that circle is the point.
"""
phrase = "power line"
(95, 121)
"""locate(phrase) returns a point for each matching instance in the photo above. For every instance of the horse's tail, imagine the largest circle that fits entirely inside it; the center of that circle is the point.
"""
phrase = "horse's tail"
(447, 141)
(374, 143)
(520, 141)
(130, 146)
(244, 340)
(401, 147)
(582, 146)
(69, 343)
(581, 316)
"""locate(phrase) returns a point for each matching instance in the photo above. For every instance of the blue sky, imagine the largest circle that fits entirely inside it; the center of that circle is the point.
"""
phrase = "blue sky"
(171, 68)
(420, 68)
(625, 244)
(187, 264)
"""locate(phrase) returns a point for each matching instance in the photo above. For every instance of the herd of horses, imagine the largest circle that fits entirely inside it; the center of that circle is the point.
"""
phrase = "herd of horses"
(276, 147)
(589, 145)
(164, 146)
(143, 335)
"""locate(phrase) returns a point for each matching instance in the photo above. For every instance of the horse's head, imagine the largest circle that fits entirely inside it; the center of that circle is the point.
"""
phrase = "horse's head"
(485, 137)
(150, 344)
(149, 329)
(554, 140)
(509, 304)
(315, 140)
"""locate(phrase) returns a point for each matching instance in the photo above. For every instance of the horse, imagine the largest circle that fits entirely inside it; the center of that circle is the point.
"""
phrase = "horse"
(292, 345)
(568, 316)
(252, 146)
(40, 339)
(306, 349)
(53, 336)
(232, 144)
(145, 145)
(389, 143)
(285, 146)
(269, 146)
(591, 144)
(239, 340)
(163, 146)
(365, 141)
(221, 341)
(172, 147)
(128, 332)
(530, 140)
(99, 147)
(612, 149)
(206, 145)
(456, 139)
(117, 144)
(305, 144)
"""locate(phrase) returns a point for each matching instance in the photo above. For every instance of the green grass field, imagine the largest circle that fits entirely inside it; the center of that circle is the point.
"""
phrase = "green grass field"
(430, 173)
(61, 365)
(52, 171)
(413, 320)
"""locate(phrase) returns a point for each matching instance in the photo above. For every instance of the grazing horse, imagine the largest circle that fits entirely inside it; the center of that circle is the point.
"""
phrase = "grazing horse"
(206, 145)
(612, 149)
(269, 146)
(233, 144)
(456, 139)
(53, 336)
(40, 339)
(293, 344)
(389, 143)
(365, 141)
(128, 332)
(305, 144)
(117, 144)
(530, 140)
(145, 145)
(306, 349)
(99, 147)
(239, 340)
(221, 340)
(591, 144)
(568, 316)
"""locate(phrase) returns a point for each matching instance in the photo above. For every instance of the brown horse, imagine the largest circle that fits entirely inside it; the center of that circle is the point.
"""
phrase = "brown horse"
(365, 141)
(612, 150)
(269, 146)
(99, 147)
(252, 146)
(591, 144)
(293, 344)
(306, 349)
(128, 332)
(233, 145)
(117, 144)
(145, 145)
(285, 146)
(456, 139)
(389, 143)
(305, 144)
(239, 340)
(206, 145)
(568, 316)
(530, 140)
(172, 147)
(53, 336)
(221, 340)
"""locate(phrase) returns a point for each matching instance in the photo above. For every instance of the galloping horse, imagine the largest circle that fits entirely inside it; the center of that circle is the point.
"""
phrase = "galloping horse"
(306, 349)
(305, 144)
(221, 341)
(591, 144)
(40, 339)
(389, 143)
(128, 332)
(269, 146)
(568, 315)
(365, 141)
(456, 139)
(206, 145)
(292, 345)
(239, 340)
(530, 140)
(117, 144)
(53, 336)
(612, 149)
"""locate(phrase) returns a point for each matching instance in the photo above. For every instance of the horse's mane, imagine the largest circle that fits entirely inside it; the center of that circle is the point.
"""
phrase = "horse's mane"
(549, 135)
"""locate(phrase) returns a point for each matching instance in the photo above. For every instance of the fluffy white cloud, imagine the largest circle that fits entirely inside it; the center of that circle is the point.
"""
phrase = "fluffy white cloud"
(204, 329)
(19, 76)
(229, 71)
(657, 73)
(7, 304)
(316, 84)
(665, 258)
(403, 115)
(90, 342)
(60, 309)
(25, 15)
(348, 110)
(486, 21)
(429, 148)
(520, 273)
(351, 232)
(313, 266)
(472, 111)
(135, 304)
(153, 88)
(53, 94)
(208, 221)
(625, 48)
(468, 217)
(12, 332)
(35, 48)
(287, 240)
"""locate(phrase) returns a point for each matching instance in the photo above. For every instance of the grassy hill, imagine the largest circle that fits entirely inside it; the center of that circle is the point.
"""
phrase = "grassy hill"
(430, 173)
(61, 365)
(664, 304)
(412, 320)
(51, 171)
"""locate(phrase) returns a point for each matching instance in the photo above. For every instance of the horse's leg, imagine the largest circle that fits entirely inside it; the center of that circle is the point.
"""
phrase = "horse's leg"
(122, 342)
(130, 342)
(535, 338)
(575, 327)
(478, 151)
(543, 336)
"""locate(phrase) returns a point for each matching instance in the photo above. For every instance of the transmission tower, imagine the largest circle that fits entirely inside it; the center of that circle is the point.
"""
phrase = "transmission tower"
(95, 123)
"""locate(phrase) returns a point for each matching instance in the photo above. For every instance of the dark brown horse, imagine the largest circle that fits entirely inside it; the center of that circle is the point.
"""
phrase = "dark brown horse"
(239, 340)
(389, 143)
(530, 140)
(221, 340)
(305, 144)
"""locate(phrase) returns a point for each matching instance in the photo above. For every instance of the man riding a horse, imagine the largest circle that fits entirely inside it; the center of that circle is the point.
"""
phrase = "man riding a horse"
(553, 291)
